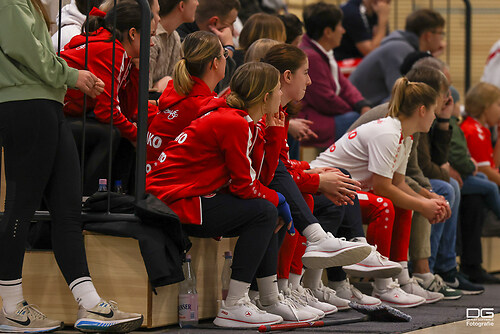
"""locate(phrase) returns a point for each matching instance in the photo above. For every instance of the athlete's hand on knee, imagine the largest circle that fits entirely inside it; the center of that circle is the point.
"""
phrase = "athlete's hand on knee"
(89, 84)
(336, 184)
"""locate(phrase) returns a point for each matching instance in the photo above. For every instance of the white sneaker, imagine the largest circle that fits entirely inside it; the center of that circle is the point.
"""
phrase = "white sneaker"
(287, 309)
(306, 296)
(374, 265)
(333, 252)
(27, 319)
(394, 296)
(327, 295)
(349, 292)
(415, 289)
(295, 298)
(244, 315)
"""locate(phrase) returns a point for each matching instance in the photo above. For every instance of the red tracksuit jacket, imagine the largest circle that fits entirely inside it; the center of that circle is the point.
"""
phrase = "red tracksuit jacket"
(175, 112)
(307, 183)
(212, 154)
(100, 63)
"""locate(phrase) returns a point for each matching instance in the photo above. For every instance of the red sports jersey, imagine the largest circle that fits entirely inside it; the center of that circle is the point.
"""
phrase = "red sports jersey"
(212, 154)
(307, 183)
(478, 141)
(175, 112)
(100, 63)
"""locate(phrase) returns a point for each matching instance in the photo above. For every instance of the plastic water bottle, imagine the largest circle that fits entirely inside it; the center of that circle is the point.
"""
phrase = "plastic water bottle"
(103, 185)
(226, 273)
(188, 297)
(119, 187)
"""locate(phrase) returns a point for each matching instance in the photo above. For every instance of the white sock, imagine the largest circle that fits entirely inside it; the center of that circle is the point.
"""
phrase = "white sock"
(236, 291)
(426, 277)
(312, 278)
(314, 232)
(336, 284)
(84, 292)
(252, 294)
(382, 283)
(294, 280)
(268, 290)
(404, 276)
(282, 284)
(359, 239)
(12, 294)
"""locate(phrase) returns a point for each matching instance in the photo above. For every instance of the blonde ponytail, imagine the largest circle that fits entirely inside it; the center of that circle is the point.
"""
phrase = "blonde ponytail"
(182, 79)
(200, 49)
(235, 101)
(407, 96)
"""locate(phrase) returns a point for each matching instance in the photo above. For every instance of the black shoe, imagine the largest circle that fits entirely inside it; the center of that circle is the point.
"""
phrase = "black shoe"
(457, 280)
(477, 274)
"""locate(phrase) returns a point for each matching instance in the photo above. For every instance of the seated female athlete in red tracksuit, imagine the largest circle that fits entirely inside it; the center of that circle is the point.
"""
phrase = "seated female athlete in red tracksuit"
(100, 109)
(195, 77)
(206, 177)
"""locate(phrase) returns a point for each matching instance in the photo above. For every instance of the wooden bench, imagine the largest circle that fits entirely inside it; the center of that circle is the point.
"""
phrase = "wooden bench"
(119, 274)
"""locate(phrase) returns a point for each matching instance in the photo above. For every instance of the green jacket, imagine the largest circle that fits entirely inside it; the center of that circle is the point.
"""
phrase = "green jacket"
(459, 156)
(29, 67)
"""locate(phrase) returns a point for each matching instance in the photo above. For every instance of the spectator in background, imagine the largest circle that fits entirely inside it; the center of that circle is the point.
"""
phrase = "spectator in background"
(259, 48)
(331, 102)
(376, 74)
(218, 17)
(366, 23)
(166, 50)
(294, 28)
(73, 15)
(260, 25)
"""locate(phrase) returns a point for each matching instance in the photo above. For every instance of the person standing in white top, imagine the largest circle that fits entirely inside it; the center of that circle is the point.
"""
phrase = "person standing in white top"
(376, 154)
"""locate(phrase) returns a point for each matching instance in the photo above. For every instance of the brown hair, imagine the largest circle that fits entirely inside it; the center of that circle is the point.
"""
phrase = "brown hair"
(423, 20)
(199, 48)
(262, 25)
(259, 48)
(250, 84)
(480, 97)
(285, 57)
(407, 96)
(430, 76)
(39, 5)
(221, 8)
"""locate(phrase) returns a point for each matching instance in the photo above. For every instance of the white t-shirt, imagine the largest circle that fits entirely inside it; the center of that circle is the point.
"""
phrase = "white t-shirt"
(492, 69)
(377, 147)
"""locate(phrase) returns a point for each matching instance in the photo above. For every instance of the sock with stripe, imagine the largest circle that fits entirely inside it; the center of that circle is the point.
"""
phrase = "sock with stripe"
(268, 290)
(84, 292)
(11, 292)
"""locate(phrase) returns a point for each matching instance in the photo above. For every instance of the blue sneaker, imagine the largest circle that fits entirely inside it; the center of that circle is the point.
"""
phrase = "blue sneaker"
(457, 280)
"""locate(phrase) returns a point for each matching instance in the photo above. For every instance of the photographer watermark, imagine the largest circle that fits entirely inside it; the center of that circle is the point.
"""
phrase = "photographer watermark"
(480, 317)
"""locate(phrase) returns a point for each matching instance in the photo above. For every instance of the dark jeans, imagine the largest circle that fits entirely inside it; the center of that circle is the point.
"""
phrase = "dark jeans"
(469, 231)
(253, 221)
(41, 160)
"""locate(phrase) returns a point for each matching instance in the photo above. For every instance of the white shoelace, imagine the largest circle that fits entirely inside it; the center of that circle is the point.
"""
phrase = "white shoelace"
(32, 312)
(355, 292)
(245, 301)
(291, 303)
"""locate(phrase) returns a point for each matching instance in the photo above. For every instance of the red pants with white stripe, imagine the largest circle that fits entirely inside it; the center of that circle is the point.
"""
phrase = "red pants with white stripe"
(389, 227)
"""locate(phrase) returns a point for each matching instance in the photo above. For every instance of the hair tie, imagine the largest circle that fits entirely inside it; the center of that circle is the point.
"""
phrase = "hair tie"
(97, 12)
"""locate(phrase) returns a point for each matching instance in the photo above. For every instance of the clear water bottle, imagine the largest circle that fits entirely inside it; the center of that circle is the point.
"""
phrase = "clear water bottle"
(103, 185)
(119, 187)
(188, 297)
(226, 273)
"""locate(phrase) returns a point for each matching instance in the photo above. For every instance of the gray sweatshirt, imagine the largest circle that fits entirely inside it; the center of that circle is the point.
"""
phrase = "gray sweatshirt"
(379, 70)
